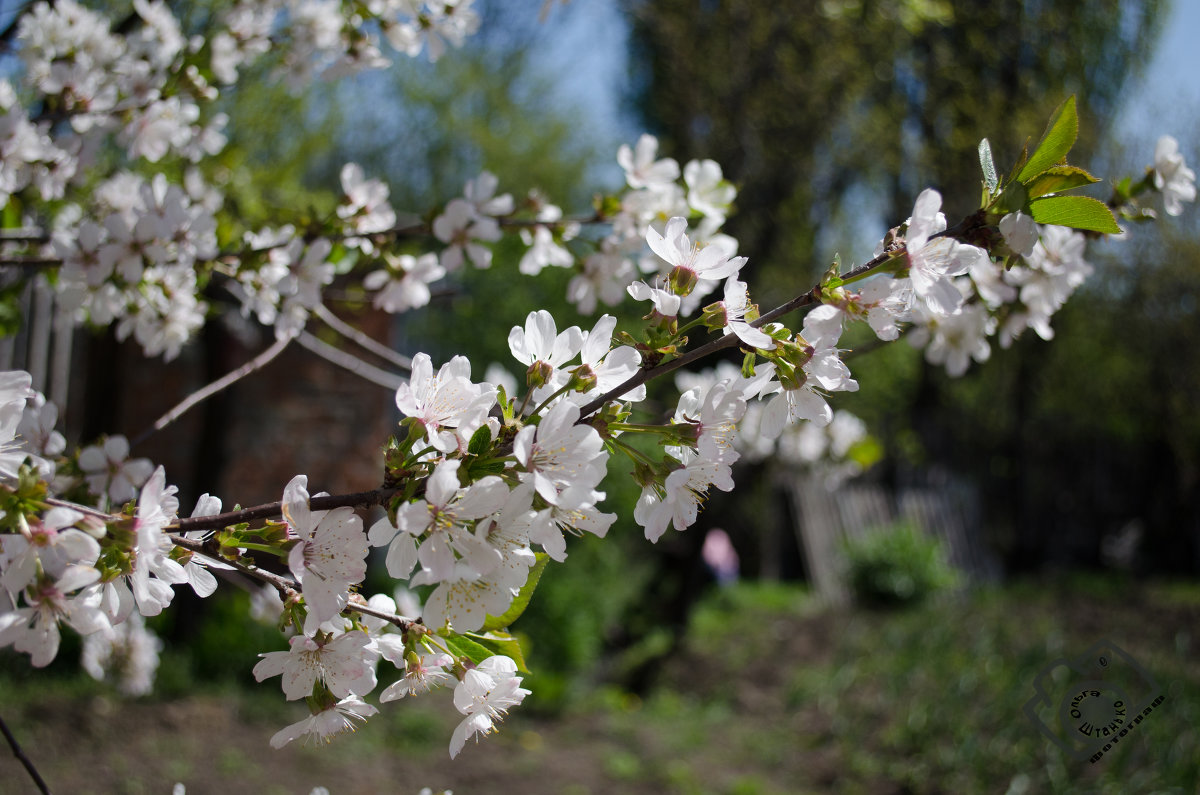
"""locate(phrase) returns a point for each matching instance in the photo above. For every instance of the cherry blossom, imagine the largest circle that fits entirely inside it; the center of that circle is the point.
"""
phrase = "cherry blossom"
(641, 168)
(33, 629)
(329, 556)
(932, 261)
(444, 401)
(335, 719)
(484, 696)
(405, 283)
(345, 664)
(1172, 176)
(558, 455)
(690, 262)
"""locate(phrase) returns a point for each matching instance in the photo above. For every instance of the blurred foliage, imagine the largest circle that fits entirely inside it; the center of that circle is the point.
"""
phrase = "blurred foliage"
(832, 115)
(825, 111)
(771, 692)
(898, 565)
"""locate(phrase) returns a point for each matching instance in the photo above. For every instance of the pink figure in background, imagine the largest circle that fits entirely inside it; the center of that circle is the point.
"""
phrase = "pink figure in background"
(720, 556)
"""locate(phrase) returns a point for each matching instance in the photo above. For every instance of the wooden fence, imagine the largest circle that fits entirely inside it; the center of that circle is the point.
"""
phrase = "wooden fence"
(826, 517)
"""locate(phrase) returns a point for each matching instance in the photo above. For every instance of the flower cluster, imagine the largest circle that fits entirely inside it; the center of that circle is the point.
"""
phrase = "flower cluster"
(483, 483)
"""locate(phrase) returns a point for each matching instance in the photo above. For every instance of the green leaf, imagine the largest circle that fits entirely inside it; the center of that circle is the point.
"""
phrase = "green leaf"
(1058, 179)
(1077, 212)
(462, 646)
(1013, 198)
(504, 644)
(989, 166)
(481, 440)
(1056, 141)
(522, 599)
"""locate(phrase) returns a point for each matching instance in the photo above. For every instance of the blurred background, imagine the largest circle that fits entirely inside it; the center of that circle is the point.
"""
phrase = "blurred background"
(873, 608)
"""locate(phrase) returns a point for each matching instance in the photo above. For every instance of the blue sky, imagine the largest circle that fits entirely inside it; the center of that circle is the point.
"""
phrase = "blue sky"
(590, 56)
(1167, 99)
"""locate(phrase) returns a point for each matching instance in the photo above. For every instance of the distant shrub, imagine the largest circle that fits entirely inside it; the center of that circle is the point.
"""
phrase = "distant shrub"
(897, 565)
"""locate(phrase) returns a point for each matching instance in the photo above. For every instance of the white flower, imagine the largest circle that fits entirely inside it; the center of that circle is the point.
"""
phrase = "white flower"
(641, 169)
(1172, 176)
(127, 651)
(1020, 233)
(422, 673)
(691, 262)
(111, 473)
(461, 228)
(665, 303)
(366, 208)
(405, 283)
(330, 556)
(543, 252)
(540, 346)
(932, 263)
(34, 629)
(52, 541)
(714, 415)
(547, 527)
(484, 696)
(887, 302)
(678, 501)
(609, 366)
(558, 455)
(196, 569)
(344, 664)
(444, 401)
(481, 193)
(953, 340)
(709, 193)
(737, 304)
(446, 514)
(327, 723)
(15, 390)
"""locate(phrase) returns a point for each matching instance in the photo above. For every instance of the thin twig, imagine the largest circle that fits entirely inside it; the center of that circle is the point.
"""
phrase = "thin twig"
(727, 341)
(24, 760)
(25, 234)
(283, 584)
(257, 363)
(346, 330)
(86, 509)
(31, 262)
(360, 499)
(350, 362)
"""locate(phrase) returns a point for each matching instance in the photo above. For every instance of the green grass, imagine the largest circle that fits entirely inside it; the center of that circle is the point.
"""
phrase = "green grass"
(773, 693)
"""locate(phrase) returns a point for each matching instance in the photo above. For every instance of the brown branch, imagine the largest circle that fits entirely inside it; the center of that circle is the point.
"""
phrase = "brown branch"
(30, 262)
(346, 330)
(25, 761)
(727, 341)
(279, 582)
(257, 363)
(348, 361)
(359, 499)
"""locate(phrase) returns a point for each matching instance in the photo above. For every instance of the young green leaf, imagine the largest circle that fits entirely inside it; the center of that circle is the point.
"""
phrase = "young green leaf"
(989, 166)
(462, 646)
(1058, 179)
(522, 599)
(1077, 212)
(504, 644)
(1056, 141)
(481, 440)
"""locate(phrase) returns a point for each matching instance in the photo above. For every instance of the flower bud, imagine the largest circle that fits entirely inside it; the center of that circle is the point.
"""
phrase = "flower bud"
(583, 379)
(682, 280)
(538, 374)
(714, 316)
